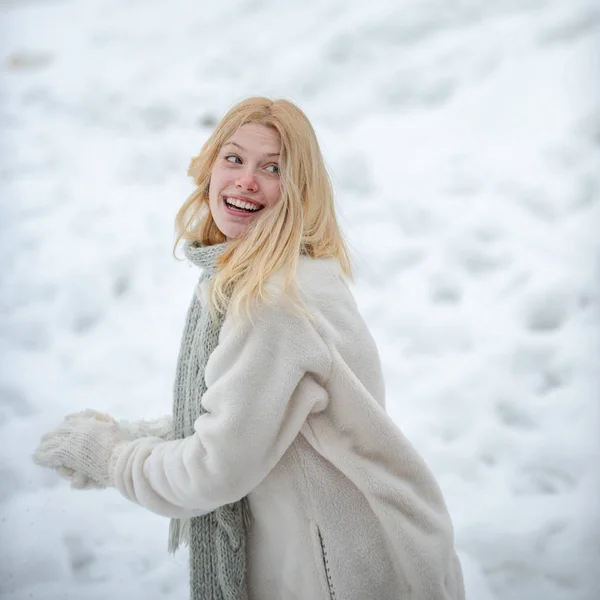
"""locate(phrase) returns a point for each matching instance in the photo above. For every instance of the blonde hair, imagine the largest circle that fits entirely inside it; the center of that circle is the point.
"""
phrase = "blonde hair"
(302, 222)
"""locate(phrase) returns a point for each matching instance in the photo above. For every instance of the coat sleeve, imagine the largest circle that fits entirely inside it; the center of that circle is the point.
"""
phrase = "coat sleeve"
(263, 380)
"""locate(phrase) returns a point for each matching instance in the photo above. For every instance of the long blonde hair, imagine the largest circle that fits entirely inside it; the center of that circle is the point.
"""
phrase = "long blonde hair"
(302, 222)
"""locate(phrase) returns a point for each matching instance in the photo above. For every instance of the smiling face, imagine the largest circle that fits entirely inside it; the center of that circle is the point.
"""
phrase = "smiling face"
(244, 179)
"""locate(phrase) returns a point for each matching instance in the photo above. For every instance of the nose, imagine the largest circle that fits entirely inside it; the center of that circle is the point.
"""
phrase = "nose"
(247, 181)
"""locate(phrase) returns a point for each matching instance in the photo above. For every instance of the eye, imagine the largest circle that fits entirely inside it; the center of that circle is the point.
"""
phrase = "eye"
(273, 168)
(233, 158)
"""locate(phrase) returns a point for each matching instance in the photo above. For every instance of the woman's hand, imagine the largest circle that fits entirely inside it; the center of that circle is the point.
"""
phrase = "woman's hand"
(81, 448)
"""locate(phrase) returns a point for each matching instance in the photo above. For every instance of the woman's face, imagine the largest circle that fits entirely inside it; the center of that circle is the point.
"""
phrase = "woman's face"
(244, 180)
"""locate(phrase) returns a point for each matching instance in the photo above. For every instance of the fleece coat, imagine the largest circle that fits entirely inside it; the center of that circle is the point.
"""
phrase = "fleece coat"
(343, 507)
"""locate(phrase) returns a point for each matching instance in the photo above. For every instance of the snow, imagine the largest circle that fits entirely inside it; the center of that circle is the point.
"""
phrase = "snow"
(463, 139)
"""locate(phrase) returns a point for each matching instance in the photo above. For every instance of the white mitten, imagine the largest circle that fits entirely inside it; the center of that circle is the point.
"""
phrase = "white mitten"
(84, 443)
(78, 481)
(160, 427)
(130, 430)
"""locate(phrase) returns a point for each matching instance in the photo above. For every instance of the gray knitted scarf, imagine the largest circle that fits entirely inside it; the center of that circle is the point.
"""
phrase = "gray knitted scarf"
(217, 540)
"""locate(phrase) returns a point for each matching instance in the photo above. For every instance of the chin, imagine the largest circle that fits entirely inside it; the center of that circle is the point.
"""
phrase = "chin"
(231, 232)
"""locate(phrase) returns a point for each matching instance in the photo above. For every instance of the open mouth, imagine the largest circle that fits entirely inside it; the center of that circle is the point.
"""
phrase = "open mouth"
(241, 206)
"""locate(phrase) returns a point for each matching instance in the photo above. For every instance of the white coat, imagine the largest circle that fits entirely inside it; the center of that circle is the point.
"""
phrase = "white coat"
(343, 506)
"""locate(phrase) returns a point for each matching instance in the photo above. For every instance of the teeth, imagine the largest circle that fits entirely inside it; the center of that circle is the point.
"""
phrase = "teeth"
(241, 204)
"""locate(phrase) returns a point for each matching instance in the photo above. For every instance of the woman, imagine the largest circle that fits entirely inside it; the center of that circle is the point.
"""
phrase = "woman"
(279, 467)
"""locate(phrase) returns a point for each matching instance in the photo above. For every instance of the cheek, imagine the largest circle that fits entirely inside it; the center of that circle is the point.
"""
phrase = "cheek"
(213, 195)
(273, 193)
(217, 180)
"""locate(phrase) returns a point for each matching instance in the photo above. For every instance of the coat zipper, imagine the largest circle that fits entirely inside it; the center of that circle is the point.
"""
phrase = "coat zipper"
(326, 565)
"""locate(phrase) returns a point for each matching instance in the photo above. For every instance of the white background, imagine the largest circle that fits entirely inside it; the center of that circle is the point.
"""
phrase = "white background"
(463, 138)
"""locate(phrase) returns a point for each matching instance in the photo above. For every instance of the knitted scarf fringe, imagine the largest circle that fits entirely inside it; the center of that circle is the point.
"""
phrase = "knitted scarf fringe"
(179, 529)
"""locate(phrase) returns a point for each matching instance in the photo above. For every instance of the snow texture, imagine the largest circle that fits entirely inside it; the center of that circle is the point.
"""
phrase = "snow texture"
(464, 141)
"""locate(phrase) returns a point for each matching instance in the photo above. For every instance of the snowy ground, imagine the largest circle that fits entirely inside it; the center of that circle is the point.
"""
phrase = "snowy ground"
(464, 140)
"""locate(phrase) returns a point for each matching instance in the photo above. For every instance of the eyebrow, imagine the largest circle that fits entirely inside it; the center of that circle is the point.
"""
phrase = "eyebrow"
(244, 149)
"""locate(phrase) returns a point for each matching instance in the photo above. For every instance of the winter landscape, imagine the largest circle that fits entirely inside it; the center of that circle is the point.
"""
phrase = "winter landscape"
(463, 138)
